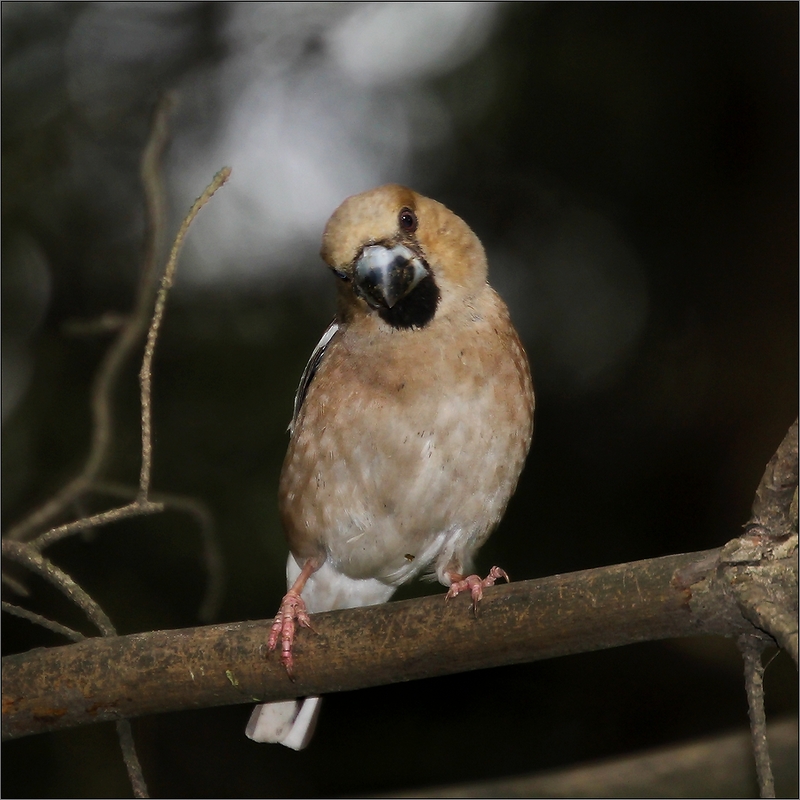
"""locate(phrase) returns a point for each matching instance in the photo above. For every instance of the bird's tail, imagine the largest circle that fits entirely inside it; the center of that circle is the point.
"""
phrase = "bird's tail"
(287, 722)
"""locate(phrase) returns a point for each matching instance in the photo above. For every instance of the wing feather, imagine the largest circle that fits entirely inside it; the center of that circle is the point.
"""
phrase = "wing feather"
(311, 370)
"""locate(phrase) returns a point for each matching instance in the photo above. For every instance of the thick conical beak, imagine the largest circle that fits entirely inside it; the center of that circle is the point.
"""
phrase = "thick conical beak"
(385, 275)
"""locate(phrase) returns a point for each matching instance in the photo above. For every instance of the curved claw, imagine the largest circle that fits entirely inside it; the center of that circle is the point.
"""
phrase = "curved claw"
(476, 585)
(293, 608)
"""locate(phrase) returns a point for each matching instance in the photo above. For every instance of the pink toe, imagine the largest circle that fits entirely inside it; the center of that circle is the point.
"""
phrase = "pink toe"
(475, 585)
(291, 611)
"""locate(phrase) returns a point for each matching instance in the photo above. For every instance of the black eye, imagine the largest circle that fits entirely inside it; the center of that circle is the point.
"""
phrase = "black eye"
(407, 219)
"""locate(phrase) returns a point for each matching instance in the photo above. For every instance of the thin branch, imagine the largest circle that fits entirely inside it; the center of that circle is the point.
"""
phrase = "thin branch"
(15, 585)
(44, 622)
(155, 202)
(122, 347)
(778, 488)
(107, 322)
(389, 643)
(212, 554)
(102, 422)
(145, 374)
(711, 767)
(135, 775)
(761, 566)
(751, 650)
(32, 559)
(135, 509)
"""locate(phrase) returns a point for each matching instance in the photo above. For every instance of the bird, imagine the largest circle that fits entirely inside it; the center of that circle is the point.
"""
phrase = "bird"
(411, 425)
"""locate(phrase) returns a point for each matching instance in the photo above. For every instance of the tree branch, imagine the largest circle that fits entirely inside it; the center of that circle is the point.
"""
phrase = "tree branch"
(14, 544)
(130, 334)
(44, 622)
(754, 687)
(131, 758)
(161, 671)
(710, 767)
(33, 560)
(212, 554)
(775, 504)
(756, 562)
(146, 372)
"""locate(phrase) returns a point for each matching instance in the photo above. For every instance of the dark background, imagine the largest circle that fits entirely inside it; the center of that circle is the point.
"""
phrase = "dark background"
(632, 170)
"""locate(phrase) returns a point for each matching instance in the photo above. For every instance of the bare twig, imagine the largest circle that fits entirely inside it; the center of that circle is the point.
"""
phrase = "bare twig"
(145, 374)
(778, 488)
(759, 571)
(15, 585)
(31, 558)
(212, 555)
(107, 322)
(135, 776)
(761, 566)
(765, 587)
(122, 347)
(102, 427)
(751, 650)
(44, 622)
(711, 767)
(135, 509)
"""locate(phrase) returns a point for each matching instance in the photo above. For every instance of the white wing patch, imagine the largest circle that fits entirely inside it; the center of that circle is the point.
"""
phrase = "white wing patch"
(311, 370)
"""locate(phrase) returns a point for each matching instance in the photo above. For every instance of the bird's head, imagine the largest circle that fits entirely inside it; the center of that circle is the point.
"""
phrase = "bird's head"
(403, 256)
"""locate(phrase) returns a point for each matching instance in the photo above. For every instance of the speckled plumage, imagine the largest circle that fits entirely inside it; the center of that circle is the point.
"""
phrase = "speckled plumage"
(410, 436)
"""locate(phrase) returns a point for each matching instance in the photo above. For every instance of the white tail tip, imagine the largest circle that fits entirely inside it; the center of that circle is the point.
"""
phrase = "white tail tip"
(287, 722)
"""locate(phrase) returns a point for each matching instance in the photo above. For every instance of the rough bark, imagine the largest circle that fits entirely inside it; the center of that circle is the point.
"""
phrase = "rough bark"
(127, 676)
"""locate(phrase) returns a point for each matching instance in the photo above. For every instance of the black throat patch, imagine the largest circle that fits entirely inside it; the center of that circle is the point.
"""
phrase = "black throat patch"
(417, 309)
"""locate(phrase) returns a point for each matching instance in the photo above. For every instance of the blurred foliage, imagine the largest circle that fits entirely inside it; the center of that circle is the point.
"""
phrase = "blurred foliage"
(655, 143)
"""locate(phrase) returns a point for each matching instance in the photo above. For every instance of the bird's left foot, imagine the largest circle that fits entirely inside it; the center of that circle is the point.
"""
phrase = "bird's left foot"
(476, 585)
(293, 609)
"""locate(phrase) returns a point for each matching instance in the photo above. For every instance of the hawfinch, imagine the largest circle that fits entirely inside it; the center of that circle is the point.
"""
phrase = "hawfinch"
(411, 424)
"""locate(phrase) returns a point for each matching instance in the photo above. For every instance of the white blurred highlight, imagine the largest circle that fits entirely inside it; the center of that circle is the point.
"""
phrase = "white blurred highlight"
(316, 102)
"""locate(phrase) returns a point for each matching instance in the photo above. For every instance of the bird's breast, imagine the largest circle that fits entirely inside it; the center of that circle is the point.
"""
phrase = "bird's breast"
(399, 448)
